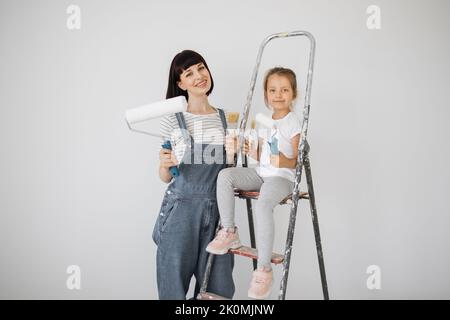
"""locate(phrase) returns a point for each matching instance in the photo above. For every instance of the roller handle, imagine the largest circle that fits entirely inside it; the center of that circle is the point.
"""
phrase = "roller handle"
(173, 170)
(274, 146)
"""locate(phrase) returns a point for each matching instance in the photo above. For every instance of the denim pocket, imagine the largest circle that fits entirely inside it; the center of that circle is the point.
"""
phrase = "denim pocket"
(163, 214)
(166, 212)
(156, 235)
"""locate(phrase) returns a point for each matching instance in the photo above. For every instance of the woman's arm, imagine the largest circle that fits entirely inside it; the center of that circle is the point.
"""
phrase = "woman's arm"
(166, 160)
(164, 175)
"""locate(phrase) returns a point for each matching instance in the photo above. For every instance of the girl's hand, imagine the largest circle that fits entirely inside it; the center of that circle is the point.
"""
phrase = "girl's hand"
(281, 161)
(231, 144)
(275, 160)
(246, 148)
(251, 148)
(167, 159)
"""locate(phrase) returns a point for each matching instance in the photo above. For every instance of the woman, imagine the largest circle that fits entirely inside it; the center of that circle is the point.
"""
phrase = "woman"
(189, 215)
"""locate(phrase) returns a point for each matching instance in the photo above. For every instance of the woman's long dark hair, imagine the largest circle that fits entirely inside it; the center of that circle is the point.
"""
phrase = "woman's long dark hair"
(181, 62)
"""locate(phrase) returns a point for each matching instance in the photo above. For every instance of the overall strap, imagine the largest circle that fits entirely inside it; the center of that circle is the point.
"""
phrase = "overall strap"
(224, 119)
(183, 126)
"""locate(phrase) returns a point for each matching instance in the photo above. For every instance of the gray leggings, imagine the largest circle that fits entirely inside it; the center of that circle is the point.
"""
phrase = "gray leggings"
(272, 191)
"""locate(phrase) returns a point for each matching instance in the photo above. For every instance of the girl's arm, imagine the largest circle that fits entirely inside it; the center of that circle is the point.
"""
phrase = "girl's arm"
(281, 161)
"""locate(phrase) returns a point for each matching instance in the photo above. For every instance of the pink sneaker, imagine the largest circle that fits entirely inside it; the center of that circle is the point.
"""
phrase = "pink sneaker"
(224, 241)
(261, 284)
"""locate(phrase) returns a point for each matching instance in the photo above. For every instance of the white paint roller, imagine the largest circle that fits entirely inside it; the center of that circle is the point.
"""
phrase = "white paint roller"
(156, 110)
(264, 120)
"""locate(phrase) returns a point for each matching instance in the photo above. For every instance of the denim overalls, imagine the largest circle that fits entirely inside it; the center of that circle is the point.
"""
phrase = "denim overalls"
(187, 222)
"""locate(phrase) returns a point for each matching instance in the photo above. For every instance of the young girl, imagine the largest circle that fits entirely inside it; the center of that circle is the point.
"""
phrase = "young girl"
(188, 216)
(274, 177)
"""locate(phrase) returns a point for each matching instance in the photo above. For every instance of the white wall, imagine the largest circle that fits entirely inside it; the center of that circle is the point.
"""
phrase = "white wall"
(78, 188)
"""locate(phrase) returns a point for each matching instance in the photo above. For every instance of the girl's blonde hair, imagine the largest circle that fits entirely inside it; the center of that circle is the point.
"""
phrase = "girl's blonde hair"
(283, 72)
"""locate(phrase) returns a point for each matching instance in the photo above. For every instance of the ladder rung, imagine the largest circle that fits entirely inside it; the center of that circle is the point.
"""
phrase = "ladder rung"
(210, 296)
(253, 253)
(242, 194)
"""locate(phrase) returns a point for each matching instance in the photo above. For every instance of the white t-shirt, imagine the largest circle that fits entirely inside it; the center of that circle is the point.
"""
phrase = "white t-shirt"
(282, 132)
(205, 129)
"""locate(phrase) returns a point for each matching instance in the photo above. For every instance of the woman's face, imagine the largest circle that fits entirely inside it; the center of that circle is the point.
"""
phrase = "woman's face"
(279, 92)
(196, 80)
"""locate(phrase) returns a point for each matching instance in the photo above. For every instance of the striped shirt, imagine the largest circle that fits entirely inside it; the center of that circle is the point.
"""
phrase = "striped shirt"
(205, 129)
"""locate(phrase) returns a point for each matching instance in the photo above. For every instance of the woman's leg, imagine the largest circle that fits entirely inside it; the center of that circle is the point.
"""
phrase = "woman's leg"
(221, 276)
(227, 181)
(273, 190)
(180, 226)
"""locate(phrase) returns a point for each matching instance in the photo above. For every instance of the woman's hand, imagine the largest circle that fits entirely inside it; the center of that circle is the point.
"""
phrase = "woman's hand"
(167, 159)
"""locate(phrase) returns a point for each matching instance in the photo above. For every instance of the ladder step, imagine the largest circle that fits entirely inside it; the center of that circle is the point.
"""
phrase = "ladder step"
(253, 253)
(210, 296)
(242, 194)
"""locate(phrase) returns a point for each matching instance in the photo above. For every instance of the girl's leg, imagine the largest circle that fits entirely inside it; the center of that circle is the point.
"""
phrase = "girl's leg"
(273, 190)
(242, 178)
(227, 181)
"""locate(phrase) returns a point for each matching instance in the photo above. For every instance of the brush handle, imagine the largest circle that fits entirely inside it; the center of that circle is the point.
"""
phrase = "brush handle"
(274, 146)
(173, 170)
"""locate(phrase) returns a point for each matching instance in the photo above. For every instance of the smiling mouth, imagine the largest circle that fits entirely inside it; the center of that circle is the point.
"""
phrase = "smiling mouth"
(202, 84)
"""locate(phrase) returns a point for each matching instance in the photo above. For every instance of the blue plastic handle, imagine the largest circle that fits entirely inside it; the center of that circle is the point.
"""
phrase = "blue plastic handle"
(274, 146)
(173, 170)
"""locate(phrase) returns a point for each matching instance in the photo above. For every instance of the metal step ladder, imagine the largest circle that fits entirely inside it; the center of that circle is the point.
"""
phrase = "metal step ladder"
(302, 162)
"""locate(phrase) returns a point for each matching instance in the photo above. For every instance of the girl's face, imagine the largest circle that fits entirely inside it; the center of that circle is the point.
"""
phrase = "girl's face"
(196, 80)
(279, 93)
